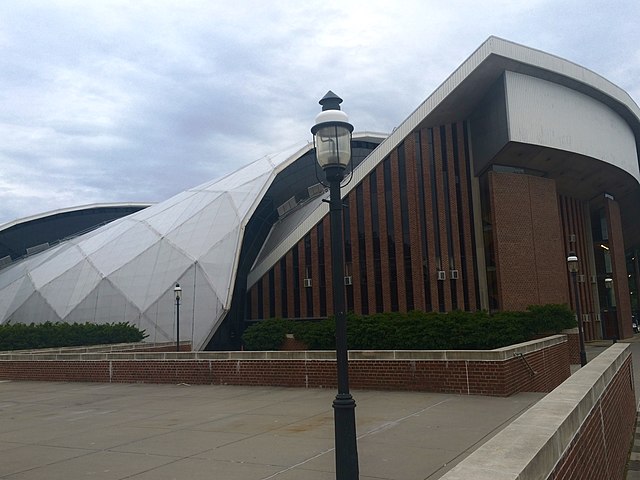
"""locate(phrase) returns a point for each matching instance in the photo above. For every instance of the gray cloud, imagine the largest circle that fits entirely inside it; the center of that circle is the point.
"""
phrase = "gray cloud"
(136, 101)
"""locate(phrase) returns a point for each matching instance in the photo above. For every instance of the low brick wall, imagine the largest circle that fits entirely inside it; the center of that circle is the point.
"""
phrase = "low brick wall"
(537, 366)
(581, 430)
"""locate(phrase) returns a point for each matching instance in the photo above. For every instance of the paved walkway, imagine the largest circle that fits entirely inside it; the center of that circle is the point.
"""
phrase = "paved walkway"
(115, 431)
(100, 431)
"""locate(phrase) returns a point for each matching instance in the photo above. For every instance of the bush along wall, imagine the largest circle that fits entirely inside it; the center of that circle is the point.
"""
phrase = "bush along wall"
(21, 336)
(417, 330)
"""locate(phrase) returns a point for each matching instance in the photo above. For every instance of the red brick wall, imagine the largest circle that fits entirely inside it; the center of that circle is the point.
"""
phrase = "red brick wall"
(528, 241)
(499, 378)
(600, 448)
(573, 341)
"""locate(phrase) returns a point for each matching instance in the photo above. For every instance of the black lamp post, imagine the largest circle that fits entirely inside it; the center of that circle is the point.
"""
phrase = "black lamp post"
(572, 262)
(608, 283)
(332, 141)
(177, 290)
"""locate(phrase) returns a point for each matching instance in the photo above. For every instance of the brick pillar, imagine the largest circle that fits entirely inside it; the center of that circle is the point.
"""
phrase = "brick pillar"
(530, 260)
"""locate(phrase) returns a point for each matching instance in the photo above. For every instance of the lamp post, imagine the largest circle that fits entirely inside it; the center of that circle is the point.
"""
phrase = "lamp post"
(572, 262)
(608, 283)
(332, 141)
(177, 290)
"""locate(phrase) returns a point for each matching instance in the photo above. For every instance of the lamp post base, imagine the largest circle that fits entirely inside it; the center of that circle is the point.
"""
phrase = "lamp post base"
(345, 437)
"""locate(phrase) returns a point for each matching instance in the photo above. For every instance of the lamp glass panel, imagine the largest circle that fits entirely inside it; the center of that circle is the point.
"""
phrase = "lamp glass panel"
(333, 145)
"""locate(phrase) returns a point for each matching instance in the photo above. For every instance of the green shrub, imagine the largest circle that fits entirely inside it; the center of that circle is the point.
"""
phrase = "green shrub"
(416, 330)
(20, 336)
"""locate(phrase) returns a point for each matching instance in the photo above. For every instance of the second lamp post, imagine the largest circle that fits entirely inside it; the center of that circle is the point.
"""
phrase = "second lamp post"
(177, 290)
(572, 262)
(332, 141)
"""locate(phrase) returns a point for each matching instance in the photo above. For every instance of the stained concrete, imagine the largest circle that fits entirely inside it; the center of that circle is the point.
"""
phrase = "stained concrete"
(134, 431)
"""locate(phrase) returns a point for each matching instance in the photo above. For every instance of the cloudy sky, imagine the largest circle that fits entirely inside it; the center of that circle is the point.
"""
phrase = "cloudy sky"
(108, 101)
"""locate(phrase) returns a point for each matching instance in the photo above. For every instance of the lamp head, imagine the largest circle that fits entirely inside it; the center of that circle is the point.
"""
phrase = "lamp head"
(572, 262)
(177, 290)
(332, 134)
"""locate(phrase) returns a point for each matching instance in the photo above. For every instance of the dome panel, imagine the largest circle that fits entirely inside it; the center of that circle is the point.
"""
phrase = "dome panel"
(171, 218)
(124, 248)
(111, 306)
(256, 171)
(71, 288)
(13, 295)
(67, 257)
(196, 235)
(36, 310)
(145, 278)
(218, 263)
(103, 236)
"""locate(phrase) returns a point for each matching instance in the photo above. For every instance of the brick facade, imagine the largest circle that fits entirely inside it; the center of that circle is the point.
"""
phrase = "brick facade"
(531, 265)
(430, 170)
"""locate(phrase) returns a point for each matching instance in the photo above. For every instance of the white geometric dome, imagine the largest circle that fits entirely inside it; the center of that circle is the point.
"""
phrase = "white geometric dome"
(125, 271)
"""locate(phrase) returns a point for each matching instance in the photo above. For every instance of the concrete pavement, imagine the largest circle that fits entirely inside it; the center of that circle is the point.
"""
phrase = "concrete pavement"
(138, 431)
(52, 430)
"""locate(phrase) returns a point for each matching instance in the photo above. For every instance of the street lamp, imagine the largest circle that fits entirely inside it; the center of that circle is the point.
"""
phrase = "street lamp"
(572, 262)
(332, 142)
(177, 290)
(608, 283)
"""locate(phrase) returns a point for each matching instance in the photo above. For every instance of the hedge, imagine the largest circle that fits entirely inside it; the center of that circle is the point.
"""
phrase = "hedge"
(417, 330)
(20, 336)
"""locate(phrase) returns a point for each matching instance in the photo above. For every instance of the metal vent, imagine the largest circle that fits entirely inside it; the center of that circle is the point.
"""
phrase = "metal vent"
(315, 190)
(287, 206)
(37, 249)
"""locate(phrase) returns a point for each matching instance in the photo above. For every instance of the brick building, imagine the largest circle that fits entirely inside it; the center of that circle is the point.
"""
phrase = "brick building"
(473, 202)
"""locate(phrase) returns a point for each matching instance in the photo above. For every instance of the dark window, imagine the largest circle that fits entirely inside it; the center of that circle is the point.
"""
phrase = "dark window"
(308, 274)
(391, 241)
(296, 283)
(323, 278)
(364, 293)
(423, 223)
(436, 219)
(283, 288)
(375, 222)
(461, 225)
(272, 293)
(260, 300)
(248, 307)
(348, 256)
(470, 209)
(404, 217)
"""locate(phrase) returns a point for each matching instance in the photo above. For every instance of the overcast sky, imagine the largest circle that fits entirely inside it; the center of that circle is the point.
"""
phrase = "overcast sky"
(109, 101)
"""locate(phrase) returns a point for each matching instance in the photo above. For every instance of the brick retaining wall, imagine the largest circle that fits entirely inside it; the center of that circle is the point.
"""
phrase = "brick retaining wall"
(581, 430)
(537, 366)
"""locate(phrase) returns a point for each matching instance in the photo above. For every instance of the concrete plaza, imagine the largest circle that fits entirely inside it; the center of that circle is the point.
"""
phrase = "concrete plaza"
(101, 431)
(138, 431)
